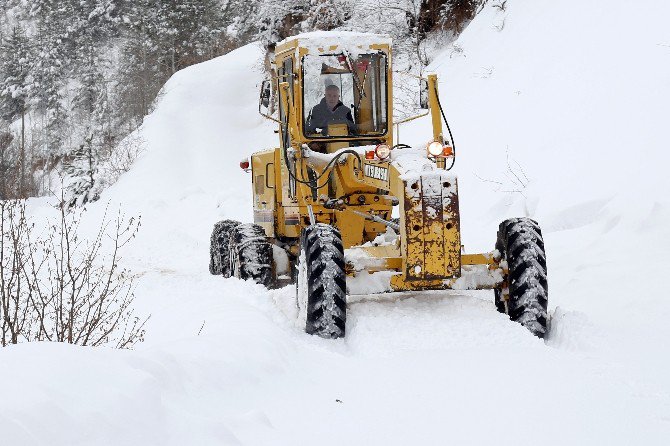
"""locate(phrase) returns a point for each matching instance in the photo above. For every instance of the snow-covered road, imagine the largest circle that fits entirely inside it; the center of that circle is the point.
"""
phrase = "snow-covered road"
(224, 363)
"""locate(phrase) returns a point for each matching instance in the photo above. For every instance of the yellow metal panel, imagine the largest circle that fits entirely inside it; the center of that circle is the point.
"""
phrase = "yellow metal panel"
(479, 280)
(337, 130)
(413, 213)
(400, 283)
(431, 227)
(478, 259)
(264, 196)
(381, 251)
(451, 226)
(436, 116)
(433, 234)
(288, 221)
(375, 258)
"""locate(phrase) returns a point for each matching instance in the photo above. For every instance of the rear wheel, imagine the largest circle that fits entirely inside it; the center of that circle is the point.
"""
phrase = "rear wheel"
(219, 261)
(321, 284)
(524, 293)
(250, 254)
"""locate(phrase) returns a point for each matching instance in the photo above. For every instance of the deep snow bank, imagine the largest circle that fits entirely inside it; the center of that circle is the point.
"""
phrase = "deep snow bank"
(223, 362)
(575, 93)
(189, 177)
(559, 112)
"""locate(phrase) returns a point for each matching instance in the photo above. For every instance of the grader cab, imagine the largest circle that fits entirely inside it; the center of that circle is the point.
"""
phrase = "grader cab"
(324, 200)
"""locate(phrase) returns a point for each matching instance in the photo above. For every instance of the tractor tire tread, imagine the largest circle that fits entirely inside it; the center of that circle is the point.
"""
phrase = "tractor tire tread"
(521, 245)
(251, 254)
(326, 281)
(219, 260)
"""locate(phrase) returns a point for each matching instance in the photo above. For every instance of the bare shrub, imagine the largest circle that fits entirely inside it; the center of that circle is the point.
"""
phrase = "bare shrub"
(124, 155)
(17, 258)
(56, 285)
(501, 5)
(514, 180)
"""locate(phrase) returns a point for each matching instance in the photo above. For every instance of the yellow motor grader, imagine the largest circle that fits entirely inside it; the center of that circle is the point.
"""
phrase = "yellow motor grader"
(324, 199)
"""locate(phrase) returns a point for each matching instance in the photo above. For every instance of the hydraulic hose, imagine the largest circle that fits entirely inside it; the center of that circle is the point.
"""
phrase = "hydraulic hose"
(453, 143)
(328, 169)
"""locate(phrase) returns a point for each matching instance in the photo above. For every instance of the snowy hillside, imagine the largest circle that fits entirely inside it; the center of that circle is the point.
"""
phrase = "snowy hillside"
(559, 113)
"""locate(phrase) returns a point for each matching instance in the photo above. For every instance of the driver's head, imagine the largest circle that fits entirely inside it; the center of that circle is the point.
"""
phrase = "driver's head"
(332, 96)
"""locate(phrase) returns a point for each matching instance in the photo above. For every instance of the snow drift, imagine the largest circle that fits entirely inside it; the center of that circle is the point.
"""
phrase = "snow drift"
(558, 113)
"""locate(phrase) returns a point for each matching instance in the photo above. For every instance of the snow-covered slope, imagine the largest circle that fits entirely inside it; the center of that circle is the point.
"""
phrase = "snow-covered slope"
(575, 96)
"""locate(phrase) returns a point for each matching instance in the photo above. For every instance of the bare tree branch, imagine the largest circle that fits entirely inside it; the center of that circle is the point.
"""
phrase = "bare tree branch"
(59, 286)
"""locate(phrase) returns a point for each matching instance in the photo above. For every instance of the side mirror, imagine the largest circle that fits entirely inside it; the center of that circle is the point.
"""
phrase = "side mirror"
(266, 90)
(423, 94)
(266, 101)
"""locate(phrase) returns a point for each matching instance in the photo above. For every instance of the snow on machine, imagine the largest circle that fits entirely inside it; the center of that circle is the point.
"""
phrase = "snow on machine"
(324, 199)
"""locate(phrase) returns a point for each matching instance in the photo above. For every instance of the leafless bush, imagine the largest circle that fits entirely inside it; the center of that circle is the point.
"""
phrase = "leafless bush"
(124, 155)
(514, 180)
(406, 95)
(56, 285)
(456, 50)
(17, 257)
(484, 73)
(501, 5)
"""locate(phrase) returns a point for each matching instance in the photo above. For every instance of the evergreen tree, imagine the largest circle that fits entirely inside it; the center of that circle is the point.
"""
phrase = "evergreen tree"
(7, 164)
(82, 168)
(14, 74)
(181, 30)
(139, 76)
(14, 88)
(162, 37)
(52, 56)
(88, 71)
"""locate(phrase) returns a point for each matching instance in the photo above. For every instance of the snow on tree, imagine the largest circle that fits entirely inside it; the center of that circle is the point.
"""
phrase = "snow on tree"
(90, 70)
(15, 74)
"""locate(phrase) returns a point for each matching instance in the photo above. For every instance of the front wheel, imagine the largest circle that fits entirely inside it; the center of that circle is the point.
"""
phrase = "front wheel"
(321, 284)
(524, 294)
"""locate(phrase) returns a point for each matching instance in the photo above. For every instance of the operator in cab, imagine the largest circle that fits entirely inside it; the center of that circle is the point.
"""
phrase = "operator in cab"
(329, 111)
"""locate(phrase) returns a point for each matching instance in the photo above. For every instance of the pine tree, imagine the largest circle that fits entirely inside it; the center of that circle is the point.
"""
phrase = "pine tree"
(181, 30)
(53, 54)
(139, 77)
(82, 168)
(162, 37)
(14, 75)
(7, 166)
(14, 88)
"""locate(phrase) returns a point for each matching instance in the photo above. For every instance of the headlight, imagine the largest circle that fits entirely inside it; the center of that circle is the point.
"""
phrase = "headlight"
(382, 151)
(434, 148)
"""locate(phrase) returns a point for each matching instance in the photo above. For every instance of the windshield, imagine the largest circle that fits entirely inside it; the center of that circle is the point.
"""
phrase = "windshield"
(344, 95)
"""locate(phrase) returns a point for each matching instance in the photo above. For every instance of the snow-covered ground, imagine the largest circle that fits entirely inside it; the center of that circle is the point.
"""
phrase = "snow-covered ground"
(559, 112)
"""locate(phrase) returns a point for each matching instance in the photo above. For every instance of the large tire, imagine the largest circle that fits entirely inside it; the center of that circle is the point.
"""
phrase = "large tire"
(521, 246)
(251, 254)
(219, 261)
(321, 283)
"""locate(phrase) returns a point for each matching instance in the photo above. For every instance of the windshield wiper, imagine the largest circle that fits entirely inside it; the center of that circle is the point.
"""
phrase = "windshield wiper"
(359, 86)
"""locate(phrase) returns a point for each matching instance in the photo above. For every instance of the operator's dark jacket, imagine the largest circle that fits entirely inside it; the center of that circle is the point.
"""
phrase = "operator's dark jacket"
(321, 116)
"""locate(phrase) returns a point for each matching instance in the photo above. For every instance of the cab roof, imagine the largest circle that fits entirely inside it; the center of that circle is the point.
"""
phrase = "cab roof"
(328, 41)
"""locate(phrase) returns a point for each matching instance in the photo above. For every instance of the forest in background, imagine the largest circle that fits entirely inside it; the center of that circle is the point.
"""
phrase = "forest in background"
(77, 77)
